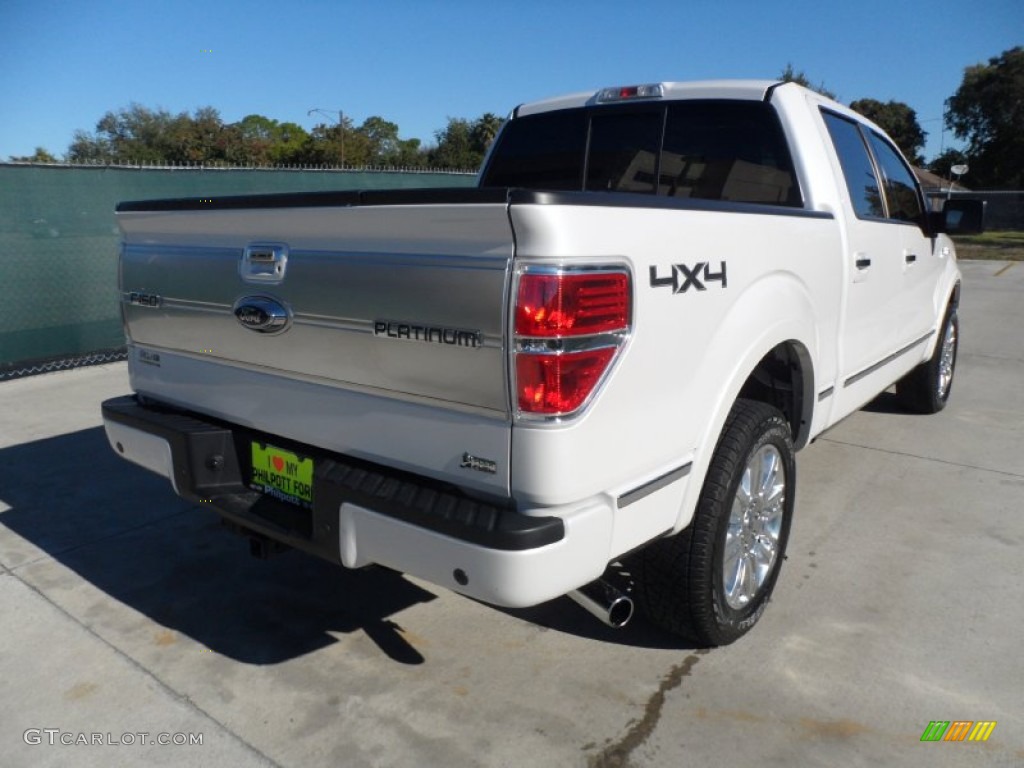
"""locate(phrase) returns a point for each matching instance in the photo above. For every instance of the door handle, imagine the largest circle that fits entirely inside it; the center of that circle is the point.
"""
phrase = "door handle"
(910, 258)
(863, 263)
(264, 263)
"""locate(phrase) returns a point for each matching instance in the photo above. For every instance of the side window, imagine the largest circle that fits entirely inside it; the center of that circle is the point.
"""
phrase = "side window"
(721, 150)
(861, 181)
(900, 184)
(623, 151)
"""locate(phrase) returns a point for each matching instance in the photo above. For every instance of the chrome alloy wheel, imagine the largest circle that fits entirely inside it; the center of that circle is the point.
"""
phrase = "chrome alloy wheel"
(755, 524)
(947, 359)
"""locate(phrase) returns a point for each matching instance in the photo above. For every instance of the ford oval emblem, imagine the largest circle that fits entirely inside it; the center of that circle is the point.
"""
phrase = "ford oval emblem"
(263, 314)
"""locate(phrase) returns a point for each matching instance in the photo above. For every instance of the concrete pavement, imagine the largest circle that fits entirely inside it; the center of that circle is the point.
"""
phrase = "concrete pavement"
(131, 617)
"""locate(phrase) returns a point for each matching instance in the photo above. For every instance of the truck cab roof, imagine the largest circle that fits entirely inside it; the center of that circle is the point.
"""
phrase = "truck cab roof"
(753, 90)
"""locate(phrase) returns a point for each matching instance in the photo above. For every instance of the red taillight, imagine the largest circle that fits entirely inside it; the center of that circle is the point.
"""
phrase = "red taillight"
(552, 384)
(558, 305)
(555, 376)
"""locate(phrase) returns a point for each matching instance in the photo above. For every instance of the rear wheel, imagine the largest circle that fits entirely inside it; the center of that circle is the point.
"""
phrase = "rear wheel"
(926, 388)
(711, 582)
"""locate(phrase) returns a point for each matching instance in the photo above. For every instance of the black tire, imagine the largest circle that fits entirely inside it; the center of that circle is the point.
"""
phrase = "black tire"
(926, 388)
(680, 582)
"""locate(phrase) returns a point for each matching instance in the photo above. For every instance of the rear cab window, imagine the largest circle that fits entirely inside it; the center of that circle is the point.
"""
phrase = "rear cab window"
(731, 151)
(540, 152)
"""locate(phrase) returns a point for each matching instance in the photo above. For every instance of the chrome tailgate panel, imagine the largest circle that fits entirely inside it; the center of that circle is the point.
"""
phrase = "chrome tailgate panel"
(403, 300)
(394, 348)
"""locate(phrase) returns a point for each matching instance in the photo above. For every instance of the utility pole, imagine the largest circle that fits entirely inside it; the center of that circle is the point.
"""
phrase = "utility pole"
(341, 127)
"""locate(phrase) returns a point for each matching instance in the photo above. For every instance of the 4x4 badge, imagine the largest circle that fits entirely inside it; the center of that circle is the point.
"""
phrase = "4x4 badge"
(684, 277)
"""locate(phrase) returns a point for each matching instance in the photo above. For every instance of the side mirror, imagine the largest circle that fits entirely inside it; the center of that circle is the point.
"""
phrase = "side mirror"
(960, 217)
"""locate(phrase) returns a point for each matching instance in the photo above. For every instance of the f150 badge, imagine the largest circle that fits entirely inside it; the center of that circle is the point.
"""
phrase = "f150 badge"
(683, 277)
(140, 299)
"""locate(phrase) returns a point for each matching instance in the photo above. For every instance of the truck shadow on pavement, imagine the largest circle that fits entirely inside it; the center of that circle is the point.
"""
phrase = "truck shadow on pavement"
(887, 403)
(124, 531)
(563, 615)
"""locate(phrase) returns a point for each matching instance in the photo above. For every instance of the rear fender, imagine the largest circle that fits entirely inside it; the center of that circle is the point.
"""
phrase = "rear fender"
(784, 313)
(947, 292)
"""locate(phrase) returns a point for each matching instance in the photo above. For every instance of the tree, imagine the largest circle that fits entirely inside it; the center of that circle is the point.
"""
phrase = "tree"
(382, 140)
(288, 144)
(790, 76)
(256, 134)
(899, 121)
(40, 156)
(195, 139)
(330, 145)
(376, 143)
(987, 111)
(87, 148)
(484, 130)
(463, 144)
(231, 146)
(268, 142)
(454, 147)
(410, 155)
(137, 134)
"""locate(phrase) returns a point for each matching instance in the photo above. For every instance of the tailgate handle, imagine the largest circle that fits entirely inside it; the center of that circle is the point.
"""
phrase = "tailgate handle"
(263, 263)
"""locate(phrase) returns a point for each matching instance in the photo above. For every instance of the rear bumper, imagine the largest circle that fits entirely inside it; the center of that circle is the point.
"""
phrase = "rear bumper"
(364, 513)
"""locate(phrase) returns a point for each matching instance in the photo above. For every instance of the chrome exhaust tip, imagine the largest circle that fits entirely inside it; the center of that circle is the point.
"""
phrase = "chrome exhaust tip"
(606, 602)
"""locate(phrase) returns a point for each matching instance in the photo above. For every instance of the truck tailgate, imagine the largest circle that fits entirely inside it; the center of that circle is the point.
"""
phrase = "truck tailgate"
(359, 302)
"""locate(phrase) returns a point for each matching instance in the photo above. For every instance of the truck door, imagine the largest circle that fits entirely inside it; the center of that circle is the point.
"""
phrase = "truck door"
(874, 269)
(920, 265)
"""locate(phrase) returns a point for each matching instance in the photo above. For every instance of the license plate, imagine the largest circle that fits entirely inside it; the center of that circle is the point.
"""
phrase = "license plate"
(282, 474)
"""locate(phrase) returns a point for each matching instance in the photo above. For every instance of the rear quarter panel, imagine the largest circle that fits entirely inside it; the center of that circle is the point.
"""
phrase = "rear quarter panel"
(690, 351)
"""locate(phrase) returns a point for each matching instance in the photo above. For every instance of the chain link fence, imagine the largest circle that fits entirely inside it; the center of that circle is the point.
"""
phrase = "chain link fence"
(59, 246)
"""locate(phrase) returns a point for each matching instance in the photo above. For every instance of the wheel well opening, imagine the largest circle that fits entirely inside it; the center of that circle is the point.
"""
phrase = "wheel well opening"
(781, 380)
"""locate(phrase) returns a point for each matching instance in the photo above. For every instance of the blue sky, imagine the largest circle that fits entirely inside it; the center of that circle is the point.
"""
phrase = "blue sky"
(64, 64)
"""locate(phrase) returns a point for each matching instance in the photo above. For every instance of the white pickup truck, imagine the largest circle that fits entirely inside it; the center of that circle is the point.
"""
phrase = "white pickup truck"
(607, 352)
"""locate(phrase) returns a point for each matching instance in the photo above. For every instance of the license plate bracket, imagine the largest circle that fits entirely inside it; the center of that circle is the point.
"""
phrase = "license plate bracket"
(282, 474)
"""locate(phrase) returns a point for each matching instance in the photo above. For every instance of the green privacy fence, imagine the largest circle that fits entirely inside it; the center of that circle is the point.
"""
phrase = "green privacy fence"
(59, 243)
